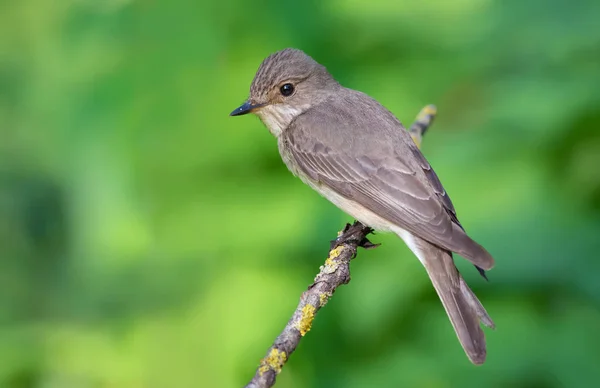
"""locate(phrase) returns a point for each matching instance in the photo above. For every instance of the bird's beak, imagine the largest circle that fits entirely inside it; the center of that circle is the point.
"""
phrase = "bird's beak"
(246, 107)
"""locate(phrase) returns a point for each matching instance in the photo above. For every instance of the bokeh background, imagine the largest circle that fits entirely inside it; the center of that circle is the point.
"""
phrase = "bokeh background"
(149, 240)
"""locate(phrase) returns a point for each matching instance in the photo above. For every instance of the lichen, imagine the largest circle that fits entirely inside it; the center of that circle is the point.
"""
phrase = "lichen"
(324, 298)
(333, 254)
(417, 139)
(429, 110)
(274, 361)
(308, 315)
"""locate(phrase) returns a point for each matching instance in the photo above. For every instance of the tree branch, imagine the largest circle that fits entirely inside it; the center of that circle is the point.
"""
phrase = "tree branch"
(334, 273)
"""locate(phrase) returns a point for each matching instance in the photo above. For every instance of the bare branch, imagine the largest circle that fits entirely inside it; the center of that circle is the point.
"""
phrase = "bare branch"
(334, 273)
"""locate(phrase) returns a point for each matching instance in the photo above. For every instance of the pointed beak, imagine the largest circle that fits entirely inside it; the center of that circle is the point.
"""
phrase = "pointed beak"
(246, 107)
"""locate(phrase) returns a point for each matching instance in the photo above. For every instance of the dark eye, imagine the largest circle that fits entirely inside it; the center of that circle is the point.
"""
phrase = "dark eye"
(287, 90)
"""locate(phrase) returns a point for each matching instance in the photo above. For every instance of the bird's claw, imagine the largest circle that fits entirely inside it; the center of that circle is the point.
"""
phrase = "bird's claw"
(348, 234)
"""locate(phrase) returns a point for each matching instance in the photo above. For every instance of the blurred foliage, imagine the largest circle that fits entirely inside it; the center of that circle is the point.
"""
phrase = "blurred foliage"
(149, 240)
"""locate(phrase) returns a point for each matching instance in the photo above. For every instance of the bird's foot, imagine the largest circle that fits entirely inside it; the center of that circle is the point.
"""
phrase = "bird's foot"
(356, 233)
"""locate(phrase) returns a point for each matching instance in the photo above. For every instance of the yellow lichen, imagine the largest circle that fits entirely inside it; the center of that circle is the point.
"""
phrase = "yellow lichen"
(324, 298)
(333, 254)
(424, 118)
(429, 110)
(417, 139)
(330, 264)
(274, 361)
(308, 314)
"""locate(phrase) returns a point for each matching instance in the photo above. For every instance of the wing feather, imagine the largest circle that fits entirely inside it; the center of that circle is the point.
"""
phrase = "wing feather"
(388, 176)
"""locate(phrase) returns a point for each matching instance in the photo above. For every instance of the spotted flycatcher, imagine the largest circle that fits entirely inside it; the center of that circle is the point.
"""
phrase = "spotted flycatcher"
(356, 153)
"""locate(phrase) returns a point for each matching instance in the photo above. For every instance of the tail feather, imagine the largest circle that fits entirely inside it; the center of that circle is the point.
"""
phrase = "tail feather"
(476, 304)
(462, 306)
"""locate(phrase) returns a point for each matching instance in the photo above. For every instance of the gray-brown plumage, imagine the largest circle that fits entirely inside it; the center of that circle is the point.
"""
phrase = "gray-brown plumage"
(357, 154)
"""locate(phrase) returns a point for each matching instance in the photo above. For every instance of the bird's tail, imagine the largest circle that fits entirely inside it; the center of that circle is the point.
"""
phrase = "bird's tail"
(462, 306)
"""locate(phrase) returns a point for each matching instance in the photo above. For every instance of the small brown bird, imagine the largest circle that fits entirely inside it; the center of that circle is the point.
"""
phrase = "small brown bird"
(356, 153)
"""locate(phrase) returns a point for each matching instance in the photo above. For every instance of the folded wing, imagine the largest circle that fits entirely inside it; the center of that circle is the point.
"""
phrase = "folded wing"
(388, 176)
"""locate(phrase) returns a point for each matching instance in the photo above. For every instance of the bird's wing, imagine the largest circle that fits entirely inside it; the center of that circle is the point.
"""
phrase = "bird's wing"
(441, 194)
(383, 171)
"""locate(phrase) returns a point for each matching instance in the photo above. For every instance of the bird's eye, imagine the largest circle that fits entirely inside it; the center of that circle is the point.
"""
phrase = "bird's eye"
(287, 90)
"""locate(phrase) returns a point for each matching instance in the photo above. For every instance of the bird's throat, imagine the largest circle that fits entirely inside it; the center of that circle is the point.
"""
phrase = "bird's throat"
(278, 117)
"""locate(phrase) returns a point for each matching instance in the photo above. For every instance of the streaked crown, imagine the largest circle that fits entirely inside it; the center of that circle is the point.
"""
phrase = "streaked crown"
(288, 65)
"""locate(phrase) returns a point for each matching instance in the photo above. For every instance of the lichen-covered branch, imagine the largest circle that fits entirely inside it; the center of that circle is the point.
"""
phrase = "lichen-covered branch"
(422, 123)
(333, 273)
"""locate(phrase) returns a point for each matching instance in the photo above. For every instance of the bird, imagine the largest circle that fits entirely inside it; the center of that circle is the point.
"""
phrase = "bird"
(357, 154)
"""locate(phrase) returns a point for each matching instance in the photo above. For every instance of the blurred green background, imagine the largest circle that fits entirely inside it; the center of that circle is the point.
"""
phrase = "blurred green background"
(149, 240)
